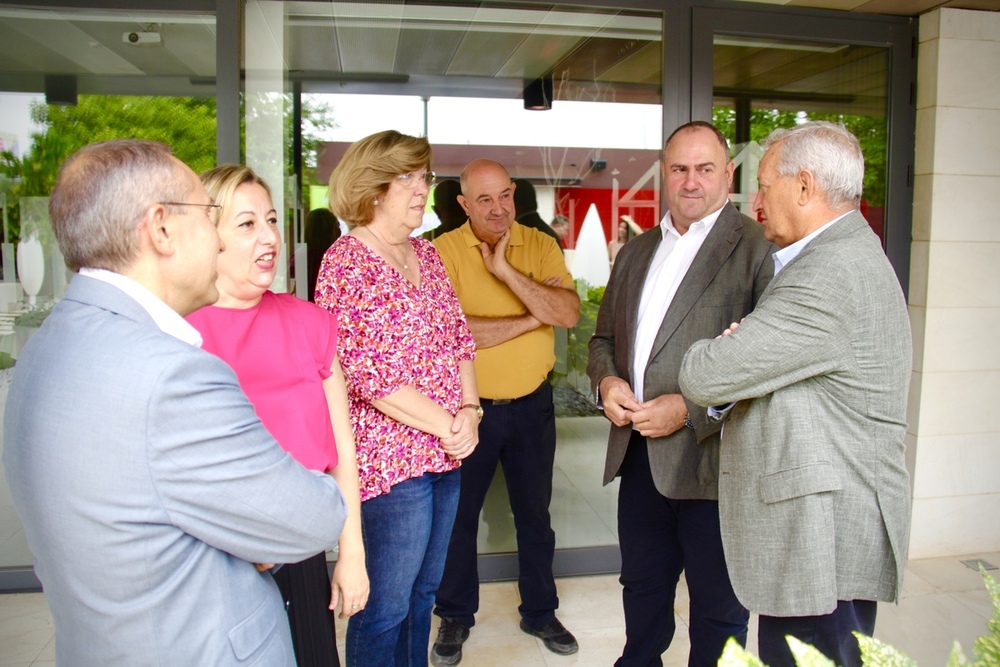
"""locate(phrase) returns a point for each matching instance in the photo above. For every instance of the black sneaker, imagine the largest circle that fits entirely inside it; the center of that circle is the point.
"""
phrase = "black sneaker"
(555, 637)
(447, 650)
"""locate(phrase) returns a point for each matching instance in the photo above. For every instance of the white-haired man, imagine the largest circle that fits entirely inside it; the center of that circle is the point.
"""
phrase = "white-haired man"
(813, 490)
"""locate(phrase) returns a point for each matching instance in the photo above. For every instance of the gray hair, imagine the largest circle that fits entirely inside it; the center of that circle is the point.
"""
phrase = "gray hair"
(827, 150)
(101, 195)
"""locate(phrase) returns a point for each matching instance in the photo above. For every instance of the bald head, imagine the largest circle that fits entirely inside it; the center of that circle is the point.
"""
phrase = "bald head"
(488, 199)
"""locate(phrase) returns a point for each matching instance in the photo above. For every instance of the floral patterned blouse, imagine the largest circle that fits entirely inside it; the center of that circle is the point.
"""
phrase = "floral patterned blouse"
(394, 334)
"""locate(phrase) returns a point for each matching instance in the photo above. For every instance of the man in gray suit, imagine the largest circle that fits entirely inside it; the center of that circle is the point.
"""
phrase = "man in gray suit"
(702, 267)
(147, 486)
(813, 493)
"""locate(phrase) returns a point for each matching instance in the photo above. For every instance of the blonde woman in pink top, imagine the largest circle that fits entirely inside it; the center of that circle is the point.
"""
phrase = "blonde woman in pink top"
(284, 352)
(408, 359)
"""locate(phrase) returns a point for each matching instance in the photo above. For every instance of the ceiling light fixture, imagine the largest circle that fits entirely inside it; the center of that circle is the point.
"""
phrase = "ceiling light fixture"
(538, 93)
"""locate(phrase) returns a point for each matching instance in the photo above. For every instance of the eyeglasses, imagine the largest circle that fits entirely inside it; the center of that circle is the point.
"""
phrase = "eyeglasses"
(211, 210)
(410, 180)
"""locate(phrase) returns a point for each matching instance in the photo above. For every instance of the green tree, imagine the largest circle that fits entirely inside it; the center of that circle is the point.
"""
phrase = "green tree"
(187, 124)
(871, 131)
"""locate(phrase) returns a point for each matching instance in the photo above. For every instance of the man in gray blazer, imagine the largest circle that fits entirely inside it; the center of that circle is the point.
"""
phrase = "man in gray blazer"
(702, 267)
(147, 486)
(813, 493)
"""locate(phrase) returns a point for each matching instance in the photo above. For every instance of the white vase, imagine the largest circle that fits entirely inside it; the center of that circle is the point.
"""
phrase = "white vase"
(30, 266)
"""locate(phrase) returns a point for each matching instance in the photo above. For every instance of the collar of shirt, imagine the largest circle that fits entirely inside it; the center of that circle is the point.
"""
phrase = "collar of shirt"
(165, 317)
(788, 253)
(471, 240)
(701, 228)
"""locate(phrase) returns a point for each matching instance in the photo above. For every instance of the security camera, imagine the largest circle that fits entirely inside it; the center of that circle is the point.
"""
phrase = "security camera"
(141, 38)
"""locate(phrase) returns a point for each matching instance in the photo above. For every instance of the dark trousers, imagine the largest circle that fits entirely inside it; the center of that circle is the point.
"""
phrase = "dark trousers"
(520, 435)
(830, 634)
(659, 537)
(305, 588)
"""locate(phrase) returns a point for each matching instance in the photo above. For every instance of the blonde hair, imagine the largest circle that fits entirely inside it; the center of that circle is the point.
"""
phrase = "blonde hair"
(221, 184)
(368, 168)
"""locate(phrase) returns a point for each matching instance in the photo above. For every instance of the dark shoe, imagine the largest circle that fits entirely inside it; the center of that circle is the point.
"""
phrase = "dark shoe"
(556, 638)
(447, 650)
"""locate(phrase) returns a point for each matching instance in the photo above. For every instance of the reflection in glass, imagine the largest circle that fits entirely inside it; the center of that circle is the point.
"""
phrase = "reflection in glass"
(456, 74)
(761, 84)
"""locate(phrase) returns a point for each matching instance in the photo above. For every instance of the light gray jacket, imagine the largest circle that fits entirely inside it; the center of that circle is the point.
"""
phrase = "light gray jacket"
(814, 494)
(148, 488)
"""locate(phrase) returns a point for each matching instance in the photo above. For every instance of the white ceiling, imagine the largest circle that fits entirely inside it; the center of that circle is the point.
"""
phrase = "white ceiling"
(474, 49)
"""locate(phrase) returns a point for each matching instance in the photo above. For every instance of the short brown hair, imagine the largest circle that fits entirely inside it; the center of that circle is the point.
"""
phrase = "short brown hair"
(101, 195)
(700, 124)
(369, 167)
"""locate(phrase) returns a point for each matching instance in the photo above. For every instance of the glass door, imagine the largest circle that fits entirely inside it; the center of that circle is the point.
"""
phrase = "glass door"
(755, 72)
(464, 77)
(69, 77)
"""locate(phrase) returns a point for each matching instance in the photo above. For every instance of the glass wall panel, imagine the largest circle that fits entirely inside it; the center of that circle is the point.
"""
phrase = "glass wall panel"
(67, 78)
(761, 84)
(457, 74)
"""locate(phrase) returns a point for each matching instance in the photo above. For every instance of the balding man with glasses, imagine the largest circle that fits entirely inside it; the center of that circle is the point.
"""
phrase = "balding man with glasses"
(147, 486)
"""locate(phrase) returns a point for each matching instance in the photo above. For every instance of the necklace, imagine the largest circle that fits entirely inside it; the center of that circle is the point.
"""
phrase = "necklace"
(385, 246)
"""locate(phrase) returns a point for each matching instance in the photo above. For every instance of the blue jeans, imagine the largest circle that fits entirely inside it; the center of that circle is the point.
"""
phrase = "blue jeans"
(406, 533)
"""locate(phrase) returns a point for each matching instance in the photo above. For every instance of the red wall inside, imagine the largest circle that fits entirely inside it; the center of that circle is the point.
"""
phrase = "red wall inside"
(575, 202)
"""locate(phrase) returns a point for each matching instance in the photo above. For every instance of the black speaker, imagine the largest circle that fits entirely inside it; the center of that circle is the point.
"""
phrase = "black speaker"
(60, 89)
(538, 93)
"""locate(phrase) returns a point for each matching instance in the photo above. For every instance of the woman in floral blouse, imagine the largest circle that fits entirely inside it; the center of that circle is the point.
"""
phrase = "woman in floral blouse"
(407, 355)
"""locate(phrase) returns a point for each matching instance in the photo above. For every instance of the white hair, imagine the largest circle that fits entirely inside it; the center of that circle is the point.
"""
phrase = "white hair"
(829, 152)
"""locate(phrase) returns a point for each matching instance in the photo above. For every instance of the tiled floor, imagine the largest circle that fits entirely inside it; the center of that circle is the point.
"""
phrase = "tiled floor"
(943, 600)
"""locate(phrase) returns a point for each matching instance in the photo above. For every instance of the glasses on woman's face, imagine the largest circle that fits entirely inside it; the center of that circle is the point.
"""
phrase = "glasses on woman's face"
(411, 179)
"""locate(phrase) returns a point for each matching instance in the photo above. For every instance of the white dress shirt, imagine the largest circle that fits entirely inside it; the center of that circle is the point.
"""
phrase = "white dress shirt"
(784, 255)
(670, 264)
(165, 317)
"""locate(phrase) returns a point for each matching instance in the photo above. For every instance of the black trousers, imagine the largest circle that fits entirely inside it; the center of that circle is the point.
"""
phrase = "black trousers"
(659, 537)
(520, 435)
(830, 633)
(305, 588)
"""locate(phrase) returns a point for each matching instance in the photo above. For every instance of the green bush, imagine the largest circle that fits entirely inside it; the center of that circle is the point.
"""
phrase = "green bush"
(34, 317)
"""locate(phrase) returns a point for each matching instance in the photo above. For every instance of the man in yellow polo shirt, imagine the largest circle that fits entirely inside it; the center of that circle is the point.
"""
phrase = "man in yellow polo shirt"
(513, 285)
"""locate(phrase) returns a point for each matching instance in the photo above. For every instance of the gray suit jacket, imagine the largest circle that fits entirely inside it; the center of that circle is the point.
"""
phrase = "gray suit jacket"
(148, 488)
(814, 496)
(725, 280)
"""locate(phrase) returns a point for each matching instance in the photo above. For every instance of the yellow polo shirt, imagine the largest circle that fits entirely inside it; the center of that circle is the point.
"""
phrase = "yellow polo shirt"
(517, 367)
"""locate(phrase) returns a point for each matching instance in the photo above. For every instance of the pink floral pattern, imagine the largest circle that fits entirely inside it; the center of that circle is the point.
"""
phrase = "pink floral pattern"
(394, 334)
